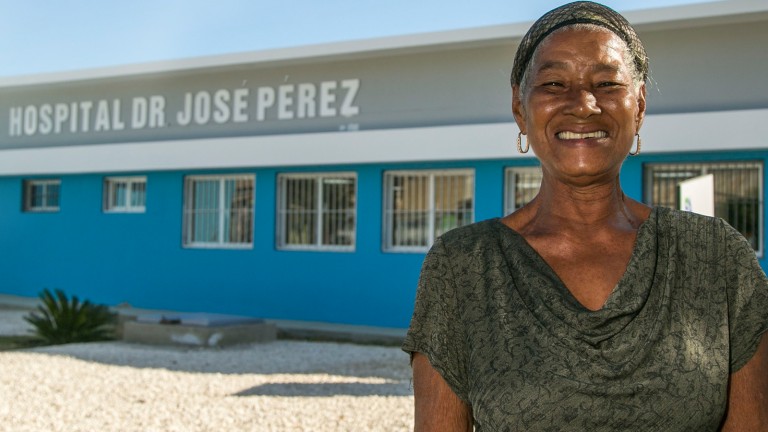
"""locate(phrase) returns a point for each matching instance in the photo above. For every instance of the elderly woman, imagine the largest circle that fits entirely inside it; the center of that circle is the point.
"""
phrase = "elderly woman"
(586, 310)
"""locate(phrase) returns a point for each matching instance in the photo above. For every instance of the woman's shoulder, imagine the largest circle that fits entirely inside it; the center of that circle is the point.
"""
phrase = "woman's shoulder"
(478, 234)
(481, 229)
(684, 219)
(696, 227)
(473, 249)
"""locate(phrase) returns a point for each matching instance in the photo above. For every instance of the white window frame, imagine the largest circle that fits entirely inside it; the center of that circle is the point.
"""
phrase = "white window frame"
(510, 184)
(317, 243)
(109, 190)
(222, 242)
(46, 183)
(388, 205)
(706, 167)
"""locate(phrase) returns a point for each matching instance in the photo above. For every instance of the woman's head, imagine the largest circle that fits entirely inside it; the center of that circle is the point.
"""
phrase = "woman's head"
(579, 92)
(578, 14)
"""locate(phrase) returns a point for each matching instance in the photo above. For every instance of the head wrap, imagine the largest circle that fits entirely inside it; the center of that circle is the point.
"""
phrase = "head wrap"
(580, 12)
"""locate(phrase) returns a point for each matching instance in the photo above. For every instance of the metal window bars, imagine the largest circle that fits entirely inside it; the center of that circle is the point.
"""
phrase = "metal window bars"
(738, 192)
(422, 205)
(317, 211)
(521, 185)
(218, 210)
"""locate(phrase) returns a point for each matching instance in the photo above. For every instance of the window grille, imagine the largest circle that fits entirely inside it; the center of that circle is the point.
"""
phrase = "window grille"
(41, 195)
(125, 194)
(316, 211)
(218, 211)
(422, 205)
(521, 184)
(738, 192)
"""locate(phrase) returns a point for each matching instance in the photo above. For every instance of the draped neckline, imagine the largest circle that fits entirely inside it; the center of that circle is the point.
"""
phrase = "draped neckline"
(601, 333)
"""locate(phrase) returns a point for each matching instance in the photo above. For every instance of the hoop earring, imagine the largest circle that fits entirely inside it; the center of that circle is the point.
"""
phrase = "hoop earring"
(520, 143)
(637, 151)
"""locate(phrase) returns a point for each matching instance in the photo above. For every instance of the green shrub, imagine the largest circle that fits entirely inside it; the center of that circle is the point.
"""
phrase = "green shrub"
(59, 320)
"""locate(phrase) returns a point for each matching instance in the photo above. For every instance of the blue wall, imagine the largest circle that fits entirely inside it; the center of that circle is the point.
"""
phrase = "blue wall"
(139, 258)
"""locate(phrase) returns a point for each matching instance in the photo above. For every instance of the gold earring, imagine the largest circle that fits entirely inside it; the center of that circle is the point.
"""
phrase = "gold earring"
(637, 151)
(520, 143)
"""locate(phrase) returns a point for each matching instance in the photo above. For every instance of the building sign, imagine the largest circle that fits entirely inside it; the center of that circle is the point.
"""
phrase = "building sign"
(255, 99)
(328, 99)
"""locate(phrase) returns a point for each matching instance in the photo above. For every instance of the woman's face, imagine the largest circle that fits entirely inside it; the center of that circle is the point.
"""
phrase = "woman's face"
(580, 109)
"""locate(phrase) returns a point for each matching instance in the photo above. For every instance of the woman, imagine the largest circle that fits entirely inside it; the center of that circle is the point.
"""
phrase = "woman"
(586, 310)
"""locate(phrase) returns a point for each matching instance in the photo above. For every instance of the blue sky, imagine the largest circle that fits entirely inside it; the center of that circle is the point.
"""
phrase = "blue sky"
(41, 36)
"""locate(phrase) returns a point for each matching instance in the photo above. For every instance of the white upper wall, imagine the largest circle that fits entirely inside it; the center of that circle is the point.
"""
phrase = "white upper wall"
(715, 67)
(676, 17)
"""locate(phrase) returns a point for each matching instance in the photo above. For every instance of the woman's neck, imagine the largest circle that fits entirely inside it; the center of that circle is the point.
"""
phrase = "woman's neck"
(582, 209)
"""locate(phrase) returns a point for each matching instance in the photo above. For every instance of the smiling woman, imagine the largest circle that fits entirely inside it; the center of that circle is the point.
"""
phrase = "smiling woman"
(307, 184)
(583, 102)
(585, 309)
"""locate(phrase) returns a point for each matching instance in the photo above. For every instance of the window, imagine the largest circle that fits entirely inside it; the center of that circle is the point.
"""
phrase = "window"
(421, 205)
(521, 184)
(316, 211)
(218, 211)
(738, 192)
(41, 195)
(125, 194)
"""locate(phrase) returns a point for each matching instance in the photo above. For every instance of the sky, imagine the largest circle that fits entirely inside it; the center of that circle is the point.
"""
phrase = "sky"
(43, 36)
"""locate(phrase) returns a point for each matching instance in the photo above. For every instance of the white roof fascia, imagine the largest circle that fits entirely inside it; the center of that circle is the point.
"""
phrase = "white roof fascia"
(712, 12)
(664, 133)
(691, 15)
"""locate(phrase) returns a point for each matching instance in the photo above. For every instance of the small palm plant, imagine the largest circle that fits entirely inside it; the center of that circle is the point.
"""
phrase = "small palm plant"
(59, 320)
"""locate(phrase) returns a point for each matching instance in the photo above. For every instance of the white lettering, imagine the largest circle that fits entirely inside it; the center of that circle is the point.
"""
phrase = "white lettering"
(30, 120)
(240, 105)
(265, 98)
(15, 121)
(156, 111)
(85, 109)
(202, 107)
(306, 101)
(139, 113)
(285, 101)
(327, 98)
(352, 86)
(73, 119)
(221, 110)
(46, 123)
(117, 121)
(280, 102)
(222, 107)
(61, 112)
(185, 116)
(102, 116)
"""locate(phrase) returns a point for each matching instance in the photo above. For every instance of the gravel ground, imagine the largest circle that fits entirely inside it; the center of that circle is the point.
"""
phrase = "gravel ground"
(277, 386)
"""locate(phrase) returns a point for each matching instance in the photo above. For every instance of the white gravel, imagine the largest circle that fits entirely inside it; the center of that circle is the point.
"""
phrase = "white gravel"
(277, 386)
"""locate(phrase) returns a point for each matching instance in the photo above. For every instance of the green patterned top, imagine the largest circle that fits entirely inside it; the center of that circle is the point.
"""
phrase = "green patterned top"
(510, 339)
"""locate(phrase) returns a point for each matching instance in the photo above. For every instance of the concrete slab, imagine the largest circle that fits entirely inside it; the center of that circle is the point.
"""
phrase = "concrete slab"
(322, 331)
(172, 332)
(202, 319)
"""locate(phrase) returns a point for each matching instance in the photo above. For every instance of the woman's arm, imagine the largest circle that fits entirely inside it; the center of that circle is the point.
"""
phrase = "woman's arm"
(437, 408)
(748, 394)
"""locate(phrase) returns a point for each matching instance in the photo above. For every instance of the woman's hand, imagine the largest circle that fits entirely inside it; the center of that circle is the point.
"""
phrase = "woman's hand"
(437, 408)
(748, 394)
